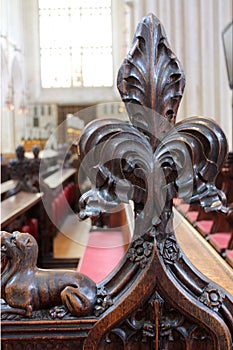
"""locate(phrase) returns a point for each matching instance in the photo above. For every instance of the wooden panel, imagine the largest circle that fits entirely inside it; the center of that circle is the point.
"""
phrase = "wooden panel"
(57, 178)
(201, 254)
(17, 205)
(8, 185)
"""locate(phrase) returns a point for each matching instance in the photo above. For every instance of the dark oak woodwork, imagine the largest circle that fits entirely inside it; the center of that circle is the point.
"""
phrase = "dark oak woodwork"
(216, 227)
(7, 186)
(17, 205)
(226, 177)
(155, 298)
(23, 170)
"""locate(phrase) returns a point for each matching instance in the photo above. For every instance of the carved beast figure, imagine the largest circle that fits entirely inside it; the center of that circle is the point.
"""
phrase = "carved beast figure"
(26, 288)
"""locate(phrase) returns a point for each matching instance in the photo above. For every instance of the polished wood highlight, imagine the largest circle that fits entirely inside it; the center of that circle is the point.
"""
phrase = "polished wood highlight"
(16, 205)
(7, 186)
(154, 298)
(56, 179)
(201, 254)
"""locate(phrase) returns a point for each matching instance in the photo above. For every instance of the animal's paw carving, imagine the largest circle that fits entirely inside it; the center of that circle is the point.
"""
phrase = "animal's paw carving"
(58, 312)
(25, 288)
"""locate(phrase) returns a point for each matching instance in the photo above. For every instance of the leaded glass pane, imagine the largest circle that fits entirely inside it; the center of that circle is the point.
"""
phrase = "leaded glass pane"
(75, 43)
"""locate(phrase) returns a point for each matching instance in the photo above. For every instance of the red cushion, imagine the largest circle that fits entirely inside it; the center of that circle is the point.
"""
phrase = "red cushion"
(192, 215)
(66, 192)
(230, 253)
(103, 252)
(220, 239)
(33, 224)
(70, 190)
(55, 211)
(62, 205)
(25, 229)
(183, 208)
(177, 201)
(205, 225)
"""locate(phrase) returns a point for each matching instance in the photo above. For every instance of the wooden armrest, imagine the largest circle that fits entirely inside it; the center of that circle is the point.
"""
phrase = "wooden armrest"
(17, 205)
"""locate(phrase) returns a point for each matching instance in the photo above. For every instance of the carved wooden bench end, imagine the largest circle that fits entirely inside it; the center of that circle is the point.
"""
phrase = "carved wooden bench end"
(154, 298)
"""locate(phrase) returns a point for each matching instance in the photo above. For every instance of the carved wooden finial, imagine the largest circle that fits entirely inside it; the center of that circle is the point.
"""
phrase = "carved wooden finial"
(154, 298)
(151, 76)
(150, 161)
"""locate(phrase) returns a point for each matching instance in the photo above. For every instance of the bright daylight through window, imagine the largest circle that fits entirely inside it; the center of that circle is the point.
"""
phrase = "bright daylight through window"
(75, 43)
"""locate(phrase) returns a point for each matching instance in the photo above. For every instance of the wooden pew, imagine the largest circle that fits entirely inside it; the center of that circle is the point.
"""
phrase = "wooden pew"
(57, 206)
(106, 246)
(216, 227)
(24, 212)
(27, 177)
(17, 205)
(155, 298)
(201, 254)
(58, 178)
(7, 186)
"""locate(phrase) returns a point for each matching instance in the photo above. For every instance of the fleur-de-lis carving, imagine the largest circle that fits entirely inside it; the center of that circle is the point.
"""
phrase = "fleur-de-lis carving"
(152, 159)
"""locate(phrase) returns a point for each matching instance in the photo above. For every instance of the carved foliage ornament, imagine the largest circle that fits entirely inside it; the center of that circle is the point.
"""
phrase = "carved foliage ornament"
(25, 171)
(103, 301)
(152, 158)
(149, 161)
(140, 251)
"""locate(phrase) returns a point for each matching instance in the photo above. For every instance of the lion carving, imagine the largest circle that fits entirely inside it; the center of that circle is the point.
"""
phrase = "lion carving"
(26, 288)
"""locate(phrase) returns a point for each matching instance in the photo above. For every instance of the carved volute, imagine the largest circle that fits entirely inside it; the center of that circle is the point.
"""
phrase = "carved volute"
(150, 161)
(155, 298)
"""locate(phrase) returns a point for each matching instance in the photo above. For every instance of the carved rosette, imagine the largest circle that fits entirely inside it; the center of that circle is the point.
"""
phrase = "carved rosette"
(212, 297)
(169, 250)
(140, 251)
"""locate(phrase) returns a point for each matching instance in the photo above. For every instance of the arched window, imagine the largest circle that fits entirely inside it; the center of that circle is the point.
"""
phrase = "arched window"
(72, 54)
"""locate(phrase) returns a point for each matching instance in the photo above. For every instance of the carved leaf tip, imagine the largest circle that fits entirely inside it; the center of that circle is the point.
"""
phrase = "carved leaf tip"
(151, 77)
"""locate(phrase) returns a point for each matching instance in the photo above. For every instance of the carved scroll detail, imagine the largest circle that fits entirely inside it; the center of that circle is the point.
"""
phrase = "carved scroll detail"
(154, 296)
(150, 161)
(25, 171)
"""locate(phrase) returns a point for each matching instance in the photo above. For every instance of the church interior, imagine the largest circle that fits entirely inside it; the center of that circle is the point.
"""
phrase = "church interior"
(70, 70)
